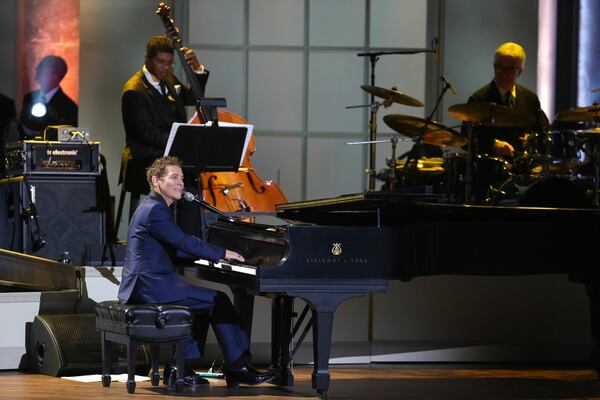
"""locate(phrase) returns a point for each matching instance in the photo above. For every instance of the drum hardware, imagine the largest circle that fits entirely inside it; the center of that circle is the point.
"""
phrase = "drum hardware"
(390, 96)
(389, 177)
(490, 114)
(419, 134)
(551, 191)
(592, 137)
(374, 56)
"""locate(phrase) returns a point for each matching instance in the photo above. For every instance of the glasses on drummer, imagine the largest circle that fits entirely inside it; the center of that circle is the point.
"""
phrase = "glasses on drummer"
(507, 70)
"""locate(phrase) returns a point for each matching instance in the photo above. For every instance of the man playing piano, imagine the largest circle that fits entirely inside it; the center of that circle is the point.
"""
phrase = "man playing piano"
(149, 277)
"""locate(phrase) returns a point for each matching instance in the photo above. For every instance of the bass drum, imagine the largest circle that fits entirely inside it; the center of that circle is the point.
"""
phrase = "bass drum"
(531, 191)
(488, 172)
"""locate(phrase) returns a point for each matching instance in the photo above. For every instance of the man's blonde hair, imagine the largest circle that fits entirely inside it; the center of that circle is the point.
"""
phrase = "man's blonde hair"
(511, 49)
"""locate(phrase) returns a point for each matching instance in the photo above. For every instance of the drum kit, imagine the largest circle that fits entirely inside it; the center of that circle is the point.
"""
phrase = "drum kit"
(552, 170)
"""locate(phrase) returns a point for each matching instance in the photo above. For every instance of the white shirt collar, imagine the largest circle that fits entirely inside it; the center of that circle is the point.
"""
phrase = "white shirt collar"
(151, 78)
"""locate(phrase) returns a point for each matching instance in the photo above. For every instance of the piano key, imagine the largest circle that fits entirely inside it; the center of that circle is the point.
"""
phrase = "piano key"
(244, 269)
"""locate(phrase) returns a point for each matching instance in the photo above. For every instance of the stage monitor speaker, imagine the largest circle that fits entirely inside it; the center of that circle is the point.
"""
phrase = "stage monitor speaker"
(68, 212)
(69, 345)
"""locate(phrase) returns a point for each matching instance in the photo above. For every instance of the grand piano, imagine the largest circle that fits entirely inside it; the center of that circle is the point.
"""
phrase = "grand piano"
(330, 250)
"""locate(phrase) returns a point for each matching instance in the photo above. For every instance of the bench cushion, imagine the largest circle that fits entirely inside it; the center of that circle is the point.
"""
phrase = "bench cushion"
(144, 322)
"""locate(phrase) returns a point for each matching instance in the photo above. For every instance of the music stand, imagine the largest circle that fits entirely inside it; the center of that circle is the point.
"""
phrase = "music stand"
(208, 148)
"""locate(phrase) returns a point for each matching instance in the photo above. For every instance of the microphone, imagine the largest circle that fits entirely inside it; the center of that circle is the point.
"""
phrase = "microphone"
(187, 196)
(448, 85)
(38, 239)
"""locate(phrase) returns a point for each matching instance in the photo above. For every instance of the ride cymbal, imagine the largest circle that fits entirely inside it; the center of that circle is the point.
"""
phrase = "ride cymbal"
(490, 114)
(580, 114)
(392, 95)
(435, 133)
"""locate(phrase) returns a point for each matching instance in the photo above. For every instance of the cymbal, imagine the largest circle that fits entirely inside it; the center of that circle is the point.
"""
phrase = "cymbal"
(392, 95)
(490, 114)
(580, 114)
(435, 133)
(596, 90)
(589, 133)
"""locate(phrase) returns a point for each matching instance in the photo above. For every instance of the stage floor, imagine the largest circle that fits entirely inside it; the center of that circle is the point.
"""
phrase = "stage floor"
(375, 381)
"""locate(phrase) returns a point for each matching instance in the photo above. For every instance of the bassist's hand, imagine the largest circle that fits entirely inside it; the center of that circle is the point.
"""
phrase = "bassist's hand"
(192, 60)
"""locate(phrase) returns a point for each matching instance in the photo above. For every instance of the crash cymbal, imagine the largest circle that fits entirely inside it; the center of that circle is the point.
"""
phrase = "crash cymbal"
(392, 95)
(490, 114)
(435, 134)
(580, 114)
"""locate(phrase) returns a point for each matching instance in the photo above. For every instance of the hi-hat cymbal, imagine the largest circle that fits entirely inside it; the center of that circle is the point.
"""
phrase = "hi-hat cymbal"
(435, 133)
(392, 95)
(580, 114)
(490, 114)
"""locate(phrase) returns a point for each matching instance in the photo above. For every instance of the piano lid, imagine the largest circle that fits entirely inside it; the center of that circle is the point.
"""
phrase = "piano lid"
(21, 272)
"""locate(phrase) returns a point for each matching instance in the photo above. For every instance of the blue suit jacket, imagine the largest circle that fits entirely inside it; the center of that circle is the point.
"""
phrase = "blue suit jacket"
(149, 275)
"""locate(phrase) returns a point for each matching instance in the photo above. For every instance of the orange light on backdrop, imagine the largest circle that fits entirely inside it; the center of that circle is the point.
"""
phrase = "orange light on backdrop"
(47, 27)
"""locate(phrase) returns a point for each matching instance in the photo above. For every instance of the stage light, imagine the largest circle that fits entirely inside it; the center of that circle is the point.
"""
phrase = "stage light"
(38, 109)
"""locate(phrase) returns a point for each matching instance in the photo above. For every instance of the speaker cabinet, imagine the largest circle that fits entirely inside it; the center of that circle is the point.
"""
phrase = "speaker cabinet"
(68, 212)
(68, 345)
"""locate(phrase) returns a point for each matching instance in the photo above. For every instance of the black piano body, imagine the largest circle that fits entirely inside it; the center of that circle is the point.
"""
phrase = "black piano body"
(335, 249)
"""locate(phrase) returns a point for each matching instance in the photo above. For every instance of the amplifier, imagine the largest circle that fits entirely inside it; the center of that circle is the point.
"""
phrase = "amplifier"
(41, 157)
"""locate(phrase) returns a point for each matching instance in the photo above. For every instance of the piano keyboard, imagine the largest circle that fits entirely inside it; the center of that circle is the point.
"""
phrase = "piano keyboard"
(242, 268)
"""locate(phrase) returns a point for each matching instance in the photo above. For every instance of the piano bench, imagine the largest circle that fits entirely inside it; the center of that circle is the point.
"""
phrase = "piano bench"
(144, 324)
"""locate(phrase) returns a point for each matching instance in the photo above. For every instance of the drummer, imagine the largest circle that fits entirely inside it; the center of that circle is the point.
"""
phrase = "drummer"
(509, 64)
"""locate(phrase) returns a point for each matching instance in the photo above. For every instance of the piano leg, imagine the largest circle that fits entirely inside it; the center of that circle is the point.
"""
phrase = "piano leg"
(323, 306)
(593, 292)
(281, 328)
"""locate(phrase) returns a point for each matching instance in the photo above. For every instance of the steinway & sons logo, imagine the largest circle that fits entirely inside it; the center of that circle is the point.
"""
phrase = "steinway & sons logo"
(336, 249)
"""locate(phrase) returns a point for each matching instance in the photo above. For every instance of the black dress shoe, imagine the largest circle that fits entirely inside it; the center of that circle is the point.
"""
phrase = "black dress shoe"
(190, 378)
(248, 375)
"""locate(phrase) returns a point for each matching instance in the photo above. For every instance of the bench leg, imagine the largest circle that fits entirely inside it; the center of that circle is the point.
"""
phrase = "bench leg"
(155, 355)
(106, 351)
(131, 359)
(180, 357)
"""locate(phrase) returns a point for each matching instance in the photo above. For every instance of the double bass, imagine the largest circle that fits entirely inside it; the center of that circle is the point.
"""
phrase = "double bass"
(228, 191)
